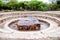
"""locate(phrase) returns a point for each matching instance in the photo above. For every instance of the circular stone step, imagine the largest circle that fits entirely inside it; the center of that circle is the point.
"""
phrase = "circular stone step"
(51, 32)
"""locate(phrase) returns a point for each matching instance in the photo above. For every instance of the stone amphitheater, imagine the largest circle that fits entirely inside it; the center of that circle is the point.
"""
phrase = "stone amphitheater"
(51, 33)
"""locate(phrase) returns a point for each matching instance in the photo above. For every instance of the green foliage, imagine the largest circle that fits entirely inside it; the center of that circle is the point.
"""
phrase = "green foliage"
(53, 6)
(33, 5)
(12, 4)
(1, 4)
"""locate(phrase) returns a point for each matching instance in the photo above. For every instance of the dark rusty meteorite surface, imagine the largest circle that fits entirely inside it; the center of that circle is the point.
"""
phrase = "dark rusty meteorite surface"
(25, 24)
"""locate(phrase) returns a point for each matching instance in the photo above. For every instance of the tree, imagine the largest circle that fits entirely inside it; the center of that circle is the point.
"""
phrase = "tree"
(12, 4)
(1, 4)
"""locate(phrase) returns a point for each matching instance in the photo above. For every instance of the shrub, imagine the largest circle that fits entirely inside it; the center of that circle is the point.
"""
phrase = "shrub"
(1, 4)
(33, 5)
(12, 4)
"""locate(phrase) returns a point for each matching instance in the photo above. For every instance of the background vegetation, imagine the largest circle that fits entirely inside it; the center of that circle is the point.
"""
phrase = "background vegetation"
(31, 6)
